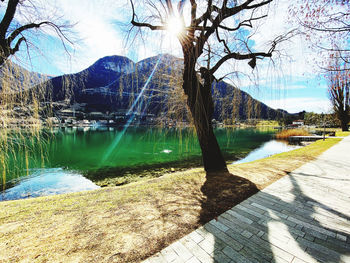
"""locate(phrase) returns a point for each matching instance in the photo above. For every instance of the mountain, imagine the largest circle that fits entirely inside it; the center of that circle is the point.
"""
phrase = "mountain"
(17, 78)
(112, 86)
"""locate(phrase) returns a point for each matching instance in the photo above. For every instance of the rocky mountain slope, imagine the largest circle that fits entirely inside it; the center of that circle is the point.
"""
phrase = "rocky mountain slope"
(16, 78)
(113, 84)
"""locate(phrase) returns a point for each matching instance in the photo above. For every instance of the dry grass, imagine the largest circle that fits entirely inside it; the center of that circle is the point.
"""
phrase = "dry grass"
(129, 223)
(285, 134)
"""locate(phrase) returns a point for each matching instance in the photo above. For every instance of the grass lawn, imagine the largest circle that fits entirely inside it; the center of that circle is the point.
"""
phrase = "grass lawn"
(342, 134)
(131, 222)
(338, 131)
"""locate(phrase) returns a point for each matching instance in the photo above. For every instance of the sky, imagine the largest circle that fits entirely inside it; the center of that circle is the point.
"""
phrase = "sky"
(290, 82)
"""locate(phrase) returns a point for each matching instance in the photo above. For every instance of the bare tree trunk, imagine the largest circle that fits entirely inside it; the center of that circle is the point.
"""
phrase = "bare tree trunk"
(344, 126)
(344, 120)
(194, 41)
(201, 106)
(213, 161)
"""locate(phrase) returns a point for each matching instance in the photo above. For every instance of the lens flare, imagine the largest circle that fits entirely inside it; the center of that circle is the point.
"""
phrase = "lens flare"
(175, 25)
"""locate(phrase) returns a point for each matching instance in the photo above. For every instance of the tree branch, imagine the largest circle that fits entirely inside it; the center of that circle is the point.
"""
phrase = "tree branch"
(16, 48)
(328, 29)
(238, 56)
(243, 23)
(8, 17)
(222, 41)
(207, 14)
(139, 24)
(259, 4)
(224, 13)
(19, 30)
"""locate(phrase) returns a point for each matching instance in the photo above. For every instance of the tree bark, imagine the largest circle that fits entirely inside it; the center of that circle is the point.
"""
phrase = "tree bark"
(201, 105)
(194, 40)
(344, 127)
(344, 120)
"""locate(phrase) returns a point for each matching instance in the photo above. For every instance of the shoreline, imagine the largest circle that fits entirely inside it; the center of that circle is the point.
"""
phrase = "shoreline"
(131, 222)
(117, 176)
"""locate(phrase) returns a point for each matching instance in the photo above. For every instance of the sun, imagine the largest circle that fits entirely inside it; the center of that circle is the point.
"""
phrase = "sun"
(175, 26)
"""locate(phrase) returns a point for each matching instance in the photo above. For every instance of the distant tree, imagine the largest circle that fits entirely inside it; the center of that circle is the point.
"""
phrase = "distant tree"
(216, 32)
(339, 91)
(14, 32)
(312, 118)
(317, 119)
(301, 115)
(325, 24)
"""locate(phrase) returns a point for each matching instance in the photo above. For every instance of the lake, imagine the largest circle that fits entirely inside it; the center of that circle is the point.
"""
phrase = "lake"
(66, 160)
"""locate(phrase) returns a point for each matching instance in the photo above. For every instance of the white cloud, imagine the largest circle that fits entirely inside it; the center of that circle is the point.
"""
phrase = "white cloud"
(291, 58)
(295, 87)
(294, 105)
(294, 56)
(95, 32)
(156, 43)
(101, 36)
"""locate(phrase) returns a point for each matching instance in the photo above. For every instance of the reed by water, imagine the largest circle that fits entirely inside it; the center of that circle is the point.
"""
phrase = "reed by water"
(285, 134)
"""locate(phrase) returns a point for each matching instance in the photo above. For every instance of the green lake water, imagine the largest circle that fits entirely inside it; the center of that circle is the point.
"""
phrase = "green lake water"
(77, 156)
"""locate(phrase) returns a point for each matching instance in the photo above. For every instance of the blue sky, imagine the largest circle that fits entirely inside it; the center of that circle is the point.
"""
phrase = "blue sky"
(291, 82)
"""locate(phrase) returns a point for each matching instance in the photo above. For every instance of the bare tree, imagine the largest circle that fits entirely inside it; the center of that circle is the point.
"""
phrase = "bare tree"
(23, 23)
(215, 34)
(325, 23)
(13, 32)
(339, 91)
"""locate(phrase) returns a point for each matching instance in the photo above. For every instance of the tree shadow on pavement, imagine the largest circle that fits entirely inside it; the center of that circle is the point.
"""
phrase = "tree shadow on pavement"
(222, 192)
(268, 228)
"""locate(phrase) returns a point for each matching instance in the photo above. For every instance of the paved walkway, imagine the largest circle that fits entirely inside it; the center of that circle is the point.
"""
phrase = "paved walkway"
(303, 217)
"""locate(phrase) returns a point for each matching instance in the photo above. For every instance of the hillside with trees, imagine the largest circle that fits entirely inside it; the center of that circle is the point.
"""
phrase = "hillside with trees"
(112, 85)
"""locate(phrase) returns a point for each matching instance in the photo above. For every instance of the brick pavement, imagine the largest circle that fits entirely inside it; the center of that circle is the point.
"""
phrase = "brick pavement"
(303, 217)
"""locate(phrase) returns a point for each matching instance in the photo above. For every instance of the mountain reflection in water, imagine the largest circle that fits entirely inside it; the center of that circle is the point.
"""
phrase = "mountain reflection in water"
(43, 182)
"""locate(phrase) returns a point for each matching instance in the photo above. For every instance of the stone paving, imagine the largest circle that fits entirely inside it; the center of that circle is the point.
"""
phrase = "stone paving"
(303, 217)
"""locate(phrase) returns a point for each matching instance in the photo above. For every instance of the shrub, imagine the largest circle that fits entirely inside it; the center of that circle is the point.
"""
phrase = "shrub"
(285, 134)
